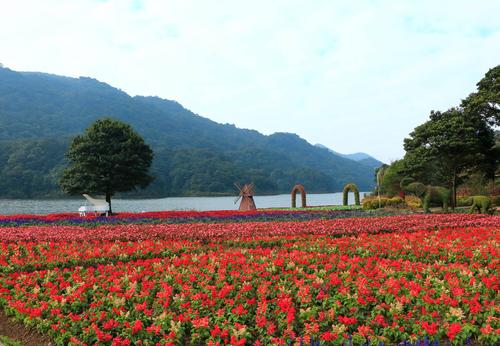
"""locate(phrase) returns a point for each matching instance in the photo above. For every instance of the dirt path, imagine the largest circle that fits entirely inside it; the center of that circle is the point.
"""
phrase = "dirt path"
(19, 332)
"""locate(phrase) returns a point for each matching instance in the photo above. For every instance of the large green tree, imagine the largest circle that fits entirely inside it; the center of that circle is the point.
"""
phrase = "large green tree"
(485, 102)
(391, 180)
(109, 157)
(447, 145)
(459, 142)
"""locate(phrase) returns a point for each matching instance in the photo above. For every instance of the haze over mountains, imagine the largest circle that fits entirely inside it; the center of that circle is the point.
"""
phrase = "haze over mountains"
(362, 158)
(40, 113)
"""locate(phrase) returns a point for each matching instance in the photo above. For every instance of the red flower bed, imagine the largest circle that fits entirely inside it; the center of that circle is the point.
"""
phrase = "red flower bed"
(388, 279)
(25, 256)
(157, 214)
(217, 231)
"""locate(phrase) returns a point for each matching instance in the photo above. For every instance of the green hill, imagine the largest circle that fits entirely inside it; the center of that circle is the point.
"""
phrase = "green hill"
(39, 114)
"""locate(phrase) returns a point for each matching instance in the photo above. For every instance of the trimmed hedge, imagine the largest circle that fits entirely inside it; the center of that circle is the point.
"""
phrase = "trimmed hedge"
(413, 201)
(374, 203)
(428, 194)
(464, 202)
(480, 204)
(351, 187)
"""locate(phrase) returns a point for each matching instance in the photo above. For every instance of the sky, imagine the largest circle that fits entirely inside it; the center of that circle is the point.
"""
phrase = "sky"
(356, 76)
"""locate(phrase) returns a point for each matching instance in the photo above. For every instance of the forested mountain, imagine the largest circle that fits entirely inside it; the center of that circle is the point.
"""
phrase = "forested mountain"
(40, 113)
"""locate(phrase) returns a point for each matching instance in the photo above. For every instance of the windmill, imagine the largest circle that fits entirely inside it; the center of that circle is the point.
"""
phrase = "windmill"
(246, 195)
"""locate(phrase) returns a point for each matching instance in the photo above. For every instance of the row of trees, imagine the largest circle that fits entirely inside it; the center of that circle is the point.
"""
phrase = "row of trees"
(453, 147)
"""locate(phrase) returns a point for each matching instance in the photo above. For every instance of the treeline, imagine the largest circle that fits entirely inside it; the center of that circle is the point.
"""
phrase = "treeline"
(33, 168)
(457, 148)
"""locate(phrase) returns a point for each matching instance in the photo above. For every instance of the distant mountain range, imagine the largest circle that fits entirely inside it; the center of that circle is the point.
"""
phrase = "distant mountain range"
(362, 158)
(40, 113)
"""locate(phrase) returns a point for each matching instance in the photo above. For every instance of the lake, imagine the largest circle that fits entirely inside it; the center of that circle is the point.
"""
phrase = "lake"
(48, 206)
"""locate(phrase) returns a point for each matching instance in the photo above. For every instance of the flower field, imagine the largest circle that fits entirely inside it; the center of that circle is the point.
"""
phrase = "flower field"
(417, 279)
(333, 212)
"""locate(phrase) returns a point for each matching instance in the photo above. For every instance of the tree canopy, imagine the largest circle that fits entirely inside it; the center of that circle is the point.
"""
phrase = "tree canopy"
(452, 145)
(390, 182)
(485, 102)
(447, 145)
(109, 157)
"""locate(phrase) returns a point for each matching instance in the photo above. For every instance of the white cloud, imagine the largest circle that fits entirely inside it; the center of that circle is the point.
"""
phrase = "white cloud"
(355, 76)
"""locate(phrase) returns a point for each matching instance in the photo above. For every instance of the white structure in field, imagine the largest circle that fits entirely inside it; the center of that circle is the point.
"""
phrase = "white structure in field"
(99, 206)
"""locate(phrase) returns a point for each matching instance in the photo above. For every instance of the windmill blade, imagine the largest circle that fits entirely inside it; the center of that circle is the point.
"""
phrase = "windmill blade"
(238, 186)
(247, 189)
(240, 192)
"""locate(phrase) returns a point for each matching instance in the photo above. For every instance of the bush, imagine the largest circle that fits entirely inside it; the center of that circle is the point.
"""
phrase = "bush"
(481, 204)
(413, 201)
(495, 200)
(478, 203)
(374, 203)
(464, 202)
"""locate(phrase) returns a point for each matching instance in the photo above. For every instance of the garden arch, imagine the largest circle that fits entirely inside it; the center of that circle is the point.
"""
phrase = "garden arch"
(351, 187)
(298, 188)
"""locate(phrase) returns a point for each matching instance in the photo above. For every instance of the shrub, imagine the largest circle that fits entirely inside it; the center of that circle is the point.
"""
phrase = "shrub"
(464, 202)
(395, 201)
(481, 204)
(375, 203)
(495, 200)
(413, 201)
(367, 204)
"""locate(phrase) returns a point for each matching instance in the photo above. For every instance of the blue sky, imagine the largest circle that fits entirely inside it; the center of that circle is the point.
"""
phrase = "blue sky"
(352, 75)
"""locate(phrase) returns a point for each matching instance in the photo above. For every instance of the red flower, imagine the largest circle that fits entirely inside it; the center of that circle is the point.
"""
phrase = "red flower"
(137, 326)
(329, 336)
(200, 322)
(215, 331)
(453, 330)
(347, 320)
(379, 320)
(487, 329)
(239, 310)
(154, 329)
(430, 328)
(365, 330)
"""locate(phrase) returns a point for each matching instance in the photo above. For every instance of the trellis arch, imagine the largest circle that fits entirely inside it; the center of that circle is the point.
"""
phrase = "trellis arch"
(298, 188)
(351, 187)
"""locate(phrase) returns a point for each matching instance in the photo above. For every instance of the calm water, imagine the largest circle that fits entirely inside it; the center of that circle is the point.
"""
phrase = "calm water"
(18, 206)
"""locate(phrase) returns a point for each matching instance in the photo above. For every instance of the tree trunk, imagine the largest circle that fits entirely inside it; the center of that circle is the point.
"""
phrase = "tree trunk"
(108, 199)
(454, 189)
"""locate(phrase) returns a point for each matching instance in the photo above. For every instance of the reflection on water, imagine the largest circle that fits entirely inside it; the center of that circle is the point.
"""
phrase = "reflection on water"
(19, 206)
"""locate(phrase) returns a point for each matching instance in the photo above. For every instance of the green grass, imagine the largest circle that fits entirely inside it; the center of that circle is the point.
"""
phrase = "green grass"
(6, 341)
